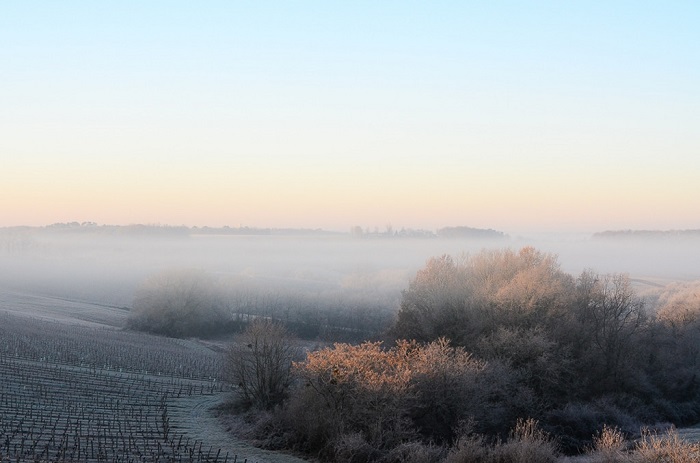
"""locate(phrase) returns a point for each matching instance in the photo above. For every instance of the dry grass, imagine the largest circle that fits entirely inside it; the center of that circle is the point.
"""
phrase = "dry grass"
(668, 447)
(527, 444)
(665, 448)
(609, 446)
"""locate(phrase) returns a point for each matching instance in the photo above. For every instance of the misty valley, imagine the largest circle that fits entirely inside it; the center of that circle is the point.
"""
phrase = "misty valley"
(162, 344)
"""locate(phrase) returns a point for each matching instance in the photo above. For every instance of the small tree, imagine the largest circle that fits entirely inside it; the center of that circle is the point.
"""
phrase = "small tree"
(260, 362)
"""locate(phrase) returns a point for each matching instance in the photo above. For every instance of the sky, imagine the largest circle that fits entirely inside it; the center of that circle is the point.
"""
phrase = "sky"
(519, 116)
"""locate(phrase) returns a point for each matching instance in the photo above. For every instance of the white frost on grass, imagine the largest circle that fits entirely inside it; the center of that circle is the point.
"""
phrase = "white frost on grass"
(194, 417)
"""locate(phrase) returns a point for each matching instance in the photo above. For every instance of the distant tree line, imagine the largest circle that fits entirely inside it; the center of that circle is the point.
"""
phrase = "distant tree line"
(648, 234)
(181, 230)
(160, 230)
(461, 232)
(470, 233)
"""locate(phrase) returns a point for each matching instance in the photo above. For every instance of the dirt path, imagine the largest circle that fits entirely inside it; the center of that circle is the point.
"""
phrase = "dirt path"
(193, 417)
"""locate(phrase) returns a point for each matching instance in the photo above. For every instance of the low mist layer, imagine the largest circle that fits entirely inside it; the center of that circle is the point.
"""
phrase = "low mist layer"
(108, 267)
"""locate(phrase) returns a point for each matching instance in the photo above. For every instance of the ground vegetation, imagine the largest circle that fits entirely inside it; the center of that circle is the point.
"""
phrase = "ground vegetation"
(504, 355)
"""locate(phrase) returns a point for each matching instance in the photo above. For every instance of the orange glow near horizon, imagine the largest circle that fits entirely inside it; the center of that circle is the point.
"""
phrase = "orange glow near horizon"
(228, 115)
(328, 199)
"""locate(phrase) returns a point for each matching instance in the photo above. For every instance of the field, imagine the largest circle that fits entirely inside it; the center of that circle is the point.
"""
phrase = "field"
(87, 392)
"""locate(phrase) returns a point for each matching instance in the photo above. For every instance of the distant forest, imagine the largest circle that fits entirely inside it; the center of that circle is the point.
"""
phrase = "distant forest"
(181, 230)
(648, 234)
(357, 231)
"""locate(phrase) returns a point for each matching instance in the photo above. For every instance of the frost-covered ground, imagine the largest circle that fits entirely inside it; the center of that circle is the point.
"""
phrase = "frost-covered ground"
(77, 387)
(70, 311)
(194, 417)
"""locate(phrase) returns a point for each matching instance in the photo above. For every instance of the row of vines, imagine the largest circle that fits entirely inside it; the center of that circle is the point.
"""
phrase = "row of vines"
(81, 394)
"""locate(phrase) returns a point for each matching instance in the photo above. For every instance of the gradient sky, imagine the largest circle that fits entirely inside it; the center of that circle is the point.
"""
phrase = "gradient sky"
(541, 116)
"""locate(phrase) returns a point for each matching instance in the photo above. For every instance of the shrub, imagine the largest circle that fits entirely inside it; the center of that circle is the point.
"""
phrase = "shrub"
(609, 446)
(526, 444)
(666, 448)
(470, 449)
(353, 448)
(358, 389)
(388, 396)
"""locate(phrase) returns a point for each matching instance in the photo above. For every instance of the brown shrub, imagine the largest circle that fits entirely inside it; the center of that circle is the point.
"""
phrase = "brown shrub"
(386, 395)
(609, 446)
(665, 448)
(526, 444)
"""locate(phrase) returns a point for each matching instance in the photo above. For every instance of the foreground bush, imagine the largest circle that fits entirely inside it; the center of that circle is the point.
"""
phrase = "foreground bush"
(526, 444)
(368, 400)
(610, 446)
(668, 447)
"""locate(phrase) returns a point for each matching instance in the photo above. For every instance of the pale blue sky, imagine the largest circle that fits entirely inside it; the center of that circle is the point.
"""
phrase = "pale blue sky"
(513, 115)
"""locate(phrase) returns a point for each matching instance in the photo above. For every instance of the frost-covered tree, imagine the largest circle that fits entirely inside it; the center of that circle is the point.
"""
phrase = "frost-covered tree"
(470, 297)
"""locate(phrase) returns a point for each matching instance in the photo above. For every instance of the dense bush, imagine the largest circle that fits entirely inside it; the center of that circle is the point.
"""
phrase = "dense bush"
(385, 397)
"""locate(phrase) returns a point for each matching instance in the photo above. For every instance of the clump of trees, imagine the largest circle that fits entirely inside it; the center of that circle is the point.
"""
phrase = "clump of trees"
(179, 303)
(187, 302)
(491, 355)
(580, 352)
(467, 298)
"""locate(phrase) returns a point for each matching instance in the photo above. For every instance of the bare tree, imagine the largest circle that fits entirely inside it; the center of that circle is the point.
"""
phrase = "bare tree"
(259, 362)
(612, 315)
